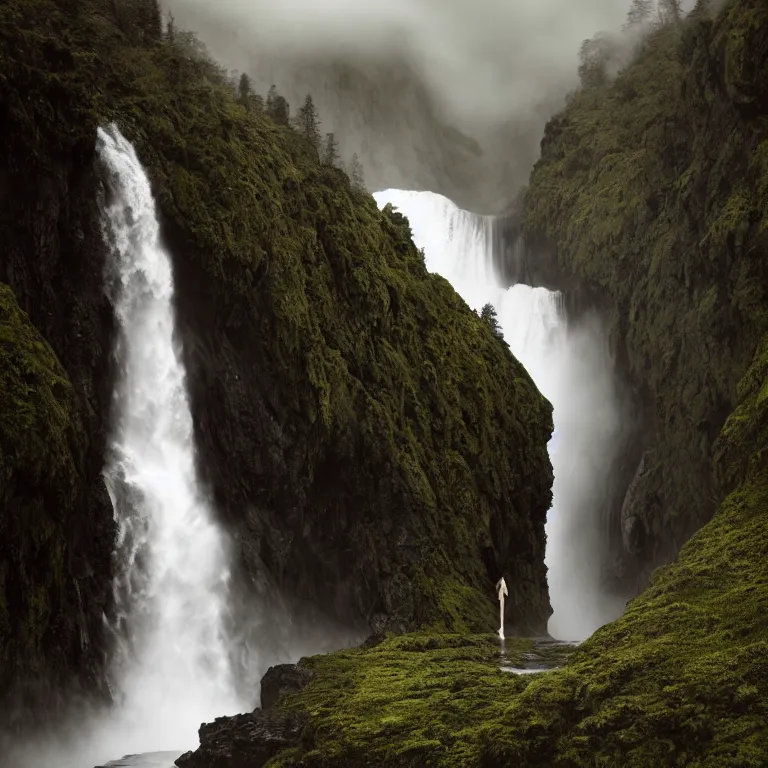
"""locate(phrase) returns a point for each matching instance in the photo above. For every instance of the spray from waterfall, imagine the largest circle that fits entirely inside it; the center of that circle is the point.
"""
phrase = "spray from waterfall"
(572, 368)
(172, 668)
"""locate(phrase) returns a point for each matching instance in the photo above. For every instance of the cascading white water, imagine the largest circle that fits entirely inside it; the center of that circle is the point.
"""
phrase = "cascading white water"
(172, 558)
(571, 367)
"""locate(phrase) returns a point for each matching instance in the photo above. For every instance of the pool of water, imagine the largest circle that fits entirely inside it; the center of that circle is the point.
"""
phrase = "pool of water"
(546, 654)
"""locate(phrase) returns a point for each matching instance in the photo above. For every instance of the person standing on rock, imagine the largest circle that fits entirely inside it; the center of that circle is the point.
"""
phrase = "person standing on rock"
(501, 590)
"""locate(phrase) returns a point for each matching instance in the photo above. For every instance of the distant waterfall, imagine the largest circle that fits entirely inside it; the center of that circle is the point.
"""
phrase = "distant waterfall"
(172, 561)
(571, 368)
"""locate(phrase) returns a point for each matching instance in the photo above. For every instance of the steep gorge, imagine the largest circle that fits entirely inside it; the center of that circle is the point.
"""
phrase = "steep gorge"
(322, 355)
(650, 194)
(370, 444)
(649, 198)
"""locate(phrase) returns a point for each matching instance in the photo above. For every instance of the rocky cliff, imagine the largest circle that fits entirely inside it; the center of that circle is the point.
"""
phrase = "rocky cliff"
(55, 531)
(650, 194)
(370, 443)
(680, 679)
(56, 526)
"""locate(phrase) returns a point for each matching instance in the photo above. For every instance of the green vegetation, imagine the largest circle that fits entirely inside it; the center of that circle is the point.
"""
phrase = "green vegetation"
(40, 452)
(407, 701)
(653, 188)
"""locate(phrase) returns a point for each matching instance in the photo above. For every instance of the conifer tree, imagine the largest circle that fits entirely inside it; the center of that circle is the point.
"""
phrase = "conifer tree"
(282, 111)
(170, 28)
(594, 56)
(307, 123)
(356, 175)
(271, 96)
(639, 12)
(277, 107)
(244, 90)
(670, 11)
(488, 315)
(154, 20)
(331, 150)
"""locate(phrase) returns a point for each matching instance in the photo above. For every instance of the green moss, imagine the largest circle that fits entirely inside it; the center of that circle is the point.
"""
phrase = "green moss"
(409, 701)
(436, 434)
(39, 482)
(400, 383)
(657, 194)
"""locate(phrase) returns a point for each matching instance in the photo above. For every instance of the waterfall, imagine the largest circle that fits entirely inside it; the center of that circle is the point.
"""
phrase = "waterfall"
(572, 369)
(172, 670)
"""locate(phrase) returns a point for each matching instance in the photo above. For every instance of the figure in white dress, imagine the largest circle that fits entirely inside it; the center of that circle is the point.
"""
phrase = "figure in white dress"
(501, 589)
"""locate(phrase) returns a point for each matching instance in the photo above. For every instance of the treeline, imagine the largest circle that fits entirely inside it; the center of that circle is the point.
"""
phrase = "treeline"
(306, 123)
(142, 23)
(602, 56)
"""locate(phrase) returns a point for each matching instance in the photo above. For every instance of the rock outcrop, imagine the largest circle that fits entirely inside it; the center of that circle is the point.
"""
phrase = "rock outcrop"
(244, 741)
(251, 740)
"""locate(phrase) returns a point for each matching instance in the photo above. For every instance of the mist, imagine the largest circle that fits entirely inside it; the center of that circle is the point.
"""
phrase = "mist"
(588, 429)
(446, 96)
(482, 60)
(93, 735)
(572, 366)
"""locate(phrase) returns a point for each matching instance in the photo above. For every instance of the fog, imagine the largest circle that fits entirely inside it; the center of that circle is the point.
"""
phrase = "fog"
(441, 95)
(577, 376)
(482, 60)
(91, 735)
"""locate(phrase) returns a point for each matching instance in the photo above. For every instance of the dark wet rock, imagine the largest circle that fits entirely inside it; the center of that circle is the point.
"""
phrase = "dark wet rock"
(280, 680)
(243, 741)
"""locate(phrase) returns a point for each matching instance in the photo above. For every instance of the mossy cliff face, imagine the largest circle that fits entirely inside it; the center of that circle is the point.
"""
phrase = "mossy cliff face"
(369, 442)
(56, 525)
(652, 190)
(47, 626)
(375, 448)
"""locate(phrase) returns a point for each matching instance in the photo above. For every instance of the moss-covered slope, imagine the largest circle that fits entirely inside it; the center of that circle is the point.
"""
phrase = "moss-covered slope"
(45, 629)
(660, 202)
(653, 191)
(374, 447)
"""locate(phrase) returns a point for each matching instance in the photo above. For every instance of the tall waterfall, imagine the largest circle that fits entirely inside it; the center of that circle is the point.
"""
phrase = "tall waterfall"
(572, 369)
(173, 668)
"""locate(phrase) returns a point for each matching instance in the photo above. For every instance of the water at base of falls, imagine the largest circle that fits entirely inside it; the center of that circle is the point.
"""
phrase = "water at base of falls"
(571, 368)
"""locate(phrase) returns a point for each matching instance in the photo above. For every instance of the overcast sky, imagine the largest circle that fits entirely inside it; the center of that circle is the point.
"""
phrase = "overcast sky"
(486, 57)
